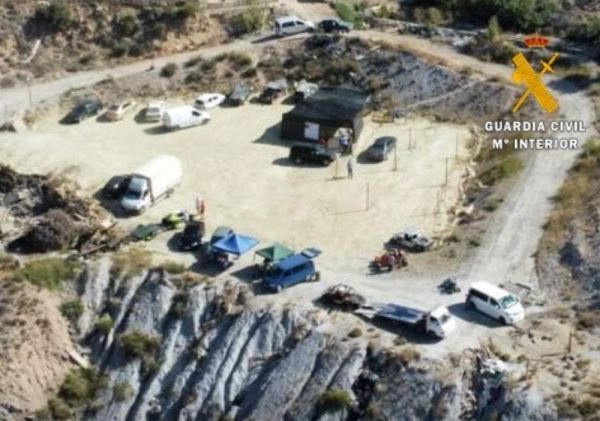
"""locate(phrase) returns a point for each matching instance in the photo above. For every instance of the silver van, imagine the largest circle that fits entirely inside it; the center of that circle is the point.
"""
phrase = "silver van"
(289, 25)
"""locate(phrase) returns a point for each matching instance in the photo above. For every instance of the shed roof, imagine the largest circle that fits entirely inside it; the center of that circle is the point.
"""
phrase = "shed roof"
(331, 104)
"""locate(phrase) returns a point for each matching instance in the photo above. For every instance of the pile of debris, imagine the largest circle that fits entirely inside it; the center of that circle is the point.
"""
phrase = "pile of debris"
(42, 214)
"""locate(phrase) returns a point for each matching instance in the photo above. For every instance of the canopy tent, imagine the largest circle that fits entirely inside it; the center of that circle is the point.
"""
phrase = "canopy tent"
(237, 244)
(275, 253)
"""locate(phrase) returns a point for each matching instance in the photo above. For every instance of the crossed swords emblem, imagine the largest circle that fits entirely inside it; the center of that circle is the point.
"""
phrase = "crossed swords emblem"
(525, 74)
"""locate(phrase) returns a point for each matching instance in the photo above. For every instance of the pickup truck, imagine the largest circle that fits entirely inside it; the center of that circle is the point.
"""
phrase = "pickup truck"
(411, 240)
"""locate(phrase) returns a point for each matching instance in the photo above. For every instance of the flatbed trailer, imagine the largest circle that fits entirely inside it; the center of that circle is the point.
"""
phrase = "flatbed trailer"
(437, 322)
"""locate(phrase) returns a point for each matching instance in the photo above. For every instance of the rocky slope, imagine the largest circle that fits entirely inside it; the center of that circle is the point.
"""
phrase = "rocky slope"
(210, 355)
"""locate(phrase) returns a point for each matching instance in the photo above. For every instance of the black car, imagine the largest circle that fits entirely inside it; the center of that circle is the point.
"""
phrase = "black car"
(334, 25)
(83, 110)
(315, 154)
(381, 148)
(273, 91)
(191, 237)
(116, 187)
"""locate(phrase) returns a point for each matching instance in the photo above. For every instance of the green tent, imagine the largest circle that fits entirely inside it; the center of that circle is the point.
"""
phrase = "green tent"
(275, 253)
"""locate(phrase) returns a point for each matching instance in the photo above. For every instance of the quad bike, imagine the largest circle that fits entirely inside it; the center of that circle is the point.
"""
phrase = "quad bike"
(449, 286)
(390, 260)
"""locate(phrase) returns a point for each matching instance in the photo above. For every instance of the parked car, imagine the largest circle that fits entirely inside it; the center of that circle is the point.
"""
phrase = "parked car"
(334, 25)
(304, 89)
(83, 110)
(273, 91)
(210, 100)
(117, 111)
(155, 111)
(116, 187)
(239, 94)
(311, 153)
(381, 148)
(411, 240)
(292, 270)
(495, 302)
(289, 25)
(191, 237)
(184, 116)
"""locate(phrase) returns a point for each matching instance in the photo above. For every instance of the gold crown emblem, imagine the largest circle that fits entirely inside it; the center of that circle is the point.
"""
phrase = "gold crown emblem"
(536, 41)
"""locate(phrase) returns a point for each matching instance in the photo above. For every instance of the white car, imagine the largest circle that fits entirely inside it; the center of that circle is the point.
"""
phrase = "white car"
(155, 111)
(210, 100)
(117, 111)
(289, 25)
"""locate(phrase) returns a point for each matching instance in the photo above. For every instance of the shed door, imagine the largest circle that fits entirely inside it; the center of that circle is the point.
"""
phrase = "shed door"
(311, 130)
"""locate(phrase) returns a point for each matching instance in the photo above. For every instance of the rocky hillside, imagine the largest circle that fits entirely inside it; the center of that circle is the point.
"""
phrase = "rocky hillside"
(175, 346)
(43, 39)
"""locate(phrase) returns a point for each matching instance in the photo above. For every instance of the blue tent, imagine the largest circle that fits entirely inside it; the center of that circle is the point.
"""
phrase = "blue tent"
(235, 244)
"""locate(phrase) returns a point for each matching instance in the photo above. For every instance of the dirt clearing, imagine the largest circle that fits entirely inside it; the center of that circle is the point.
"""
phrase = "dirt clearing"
(239, 166)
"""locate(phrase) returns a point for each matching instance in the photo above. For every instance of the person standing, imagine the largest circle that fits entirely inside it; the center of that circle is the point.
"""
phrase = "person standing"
(350, 167)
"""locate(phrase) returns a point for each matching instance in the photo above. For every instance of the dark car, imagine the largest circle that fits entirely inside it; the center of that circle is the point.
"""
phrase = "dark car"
(321, 41)
(83, 110)
(239, 94)
(191, 237)
(116, 187)
(273, 91)
(381, 148)
(334, 25)
(315, 154)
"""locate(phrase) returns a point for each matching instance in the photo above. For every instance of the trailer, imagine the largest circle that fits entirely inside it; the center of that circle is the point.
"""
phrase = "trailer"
(437, 322)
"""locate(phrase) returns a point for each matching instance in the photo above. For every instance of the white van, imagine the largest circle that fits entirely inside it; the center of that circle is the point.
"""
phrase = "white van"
(151, 182)
(288, 25)
(184, 116)
(495, 302)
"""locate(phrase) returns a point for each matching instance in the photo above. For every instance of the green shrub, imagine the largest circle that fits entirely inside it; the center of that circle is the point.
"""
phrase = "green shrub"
(56, 15)
(122, 391)
(239, 61)
(105, 324)
(47, 273)
(127, 24)
(184, 11)
(193, 62)
(179, 304)
(250, 20)
(131, 262)
(588, 31)
(335, 400)
(138, 344)
(352, 13)
(168, 70)
(120, 48)
(175, 268)
(59, 410)
(157, 31)
(80, 386)
(72, 310)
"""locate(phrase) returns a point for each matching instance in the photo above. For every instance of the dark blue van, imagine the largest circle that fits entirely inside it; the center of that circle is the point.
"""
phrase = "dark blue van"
(291, 271)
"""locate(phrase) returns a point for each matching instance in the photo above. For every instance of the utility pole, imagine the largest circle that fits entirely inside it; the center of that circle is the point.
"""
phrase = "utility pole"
(29, 92)
(409, 138)
(368, 198)
(395, 158)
